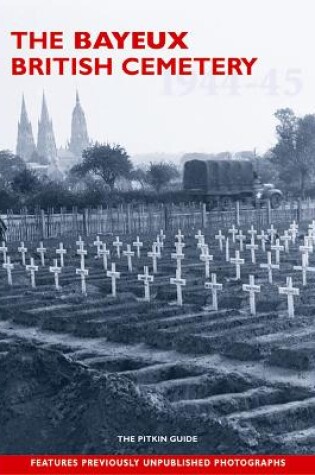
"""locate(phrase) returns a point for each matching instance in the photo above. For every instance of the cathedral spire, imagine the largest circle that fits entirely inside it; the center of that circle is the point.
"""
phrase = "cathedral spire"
(46, 143)
(25, 146)
(79, 135)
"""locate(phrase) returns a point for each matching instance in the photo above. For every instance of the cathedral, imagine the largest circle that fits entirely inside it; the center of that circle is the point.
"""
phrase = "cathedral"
(44, 156)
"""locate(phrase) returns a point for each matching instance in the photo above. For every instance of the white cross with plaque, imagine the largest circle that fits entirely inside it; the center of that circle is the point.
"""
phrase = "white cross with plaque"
(214, 287)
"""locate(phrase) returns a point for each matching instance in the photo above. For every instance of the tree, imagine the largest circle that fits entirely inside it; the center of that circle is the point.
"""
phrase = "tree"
(161, 174)
(294, 153)
(10, 165)
(25, 181)
(109, 162)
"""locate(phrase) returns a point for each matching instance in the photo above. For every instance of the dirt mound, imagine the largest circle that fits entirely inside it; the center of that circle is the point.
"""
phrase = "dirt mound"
(49, 404)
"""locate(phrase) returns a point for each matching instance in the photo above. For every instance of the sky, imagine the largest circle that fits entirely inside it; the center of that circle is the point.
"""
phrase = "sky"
(169, 114)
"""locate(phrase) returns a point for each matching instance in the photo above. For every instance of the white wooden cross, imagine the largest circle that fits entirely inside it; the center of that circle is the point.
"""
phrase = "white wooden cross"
(98, 244)
(227, 250)
(22, 250)
(80, 243)
(82, 253)
(219, 237)
(289, 291)
(234, 232)
(286, 238)
(9, 268)
(159, 244)
(61, 252)
(278, 248)
(179, 236)
(263, 238)
(129, 254)
(154, 254)
(83, 273)
(117, 244)
(206, 258)
(114, 275)
(200, 237)
(32, 268)
(201, 243)
(294, 227)
(56, 271)
(241, 238)
(304, 268)
(252, 289)
(269, 266)
(306, 248)
(4, 251)
(272, 231)
(162, 235)
(105, 253)
(179, 282)
(214, 287)
(146, 278)
(138, 245)
(42, 250)
(179, 256)
(238, 262)
(253, 247)
(252, 231)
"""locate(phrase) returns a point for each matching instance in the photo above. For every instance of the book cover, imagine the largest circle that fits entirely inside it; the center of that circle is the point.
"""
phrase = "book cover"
(157, 228)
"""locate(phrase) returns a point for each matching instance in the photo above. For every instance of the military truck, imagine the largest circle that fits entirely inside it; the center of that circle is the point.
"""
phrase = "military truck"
(219, 183)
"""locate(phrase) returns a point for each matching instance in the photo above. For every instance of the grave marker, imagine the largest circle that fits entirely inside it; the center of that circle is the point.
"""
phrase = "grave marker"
(253, 247)
(304, 268)
(241, 238)
(117, 244)
(179, 282)
(61, 252)
(56, 271)
(286, 238)
(206, 258)
(179, 256)
(105, 253)
(129, 254)
(219, 237)
(114, 275)
(41, 251)
(238, 262)
(269, 266)
(234, 232)
(263, 238)
(290, 292)
(8, 266)
(32, 268)
(138, 245)
(278, 248)
(98, 244)
(214, 287)
(154, 254)
(146, 278)
(22, 250)
(252, 289)
(83, 273)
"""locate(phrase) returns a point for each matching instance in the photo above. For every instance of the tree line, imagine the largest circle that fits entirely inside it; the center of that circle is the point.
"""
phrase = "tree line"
(106, 174)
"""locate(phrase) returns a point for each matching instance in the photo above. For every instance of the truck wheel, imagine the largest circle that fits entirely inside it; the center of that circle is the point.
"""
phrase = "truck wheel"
(275, 200)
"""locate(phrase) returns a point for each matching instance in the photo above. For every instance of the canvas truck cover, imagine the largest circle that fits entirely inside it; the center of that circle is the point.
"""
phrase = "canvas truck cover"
(218, 176)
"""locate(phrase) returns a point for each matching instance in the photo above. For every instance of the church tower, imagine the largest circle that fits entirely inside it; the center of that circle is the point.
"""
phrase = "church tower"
(46, 143)
(25, 146)
(79, 134)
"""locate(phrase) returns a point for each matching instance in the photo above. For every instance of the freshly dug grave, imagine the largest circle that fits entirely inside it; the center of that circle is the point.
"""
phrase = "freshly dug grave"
(51, 405)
